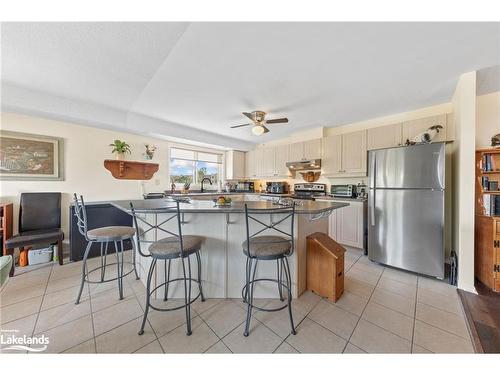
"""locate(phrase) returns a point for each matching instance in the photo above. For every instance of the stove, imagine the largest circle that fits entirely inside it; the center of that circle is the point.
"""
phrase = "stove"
(309, 191)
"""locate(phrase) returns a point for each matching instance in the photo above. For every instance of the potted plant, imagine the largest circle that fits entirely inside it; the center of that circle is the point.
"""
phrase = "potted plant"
(120, 147)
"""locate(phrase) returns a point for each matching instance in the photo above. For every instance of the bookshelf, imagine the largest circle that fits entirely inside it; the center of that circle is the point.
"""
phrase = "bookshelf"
(487, 219)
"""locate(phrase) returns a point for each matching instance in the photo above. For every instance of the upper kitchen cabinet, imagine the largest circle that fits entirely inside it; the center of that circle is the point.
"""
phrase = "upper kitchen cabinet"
(250, 164)
(267, 162)
(296, 151)
(354, 153)
(305, 150)
(415, 127)
(384, 136)
(345, 155)
(235, 165)
(332, 155)
(281, 157)
(312, 149)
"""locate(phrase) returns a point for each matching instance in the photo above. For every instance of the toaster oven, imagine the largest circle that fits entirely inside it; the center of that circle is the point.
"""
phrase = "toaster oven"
(345, 191)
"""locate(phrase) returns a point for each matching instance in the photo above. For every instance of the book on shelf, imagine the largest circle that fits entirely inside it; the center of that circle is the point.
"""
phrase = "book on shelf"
(491, 205)
(486, 163)
(485, 181)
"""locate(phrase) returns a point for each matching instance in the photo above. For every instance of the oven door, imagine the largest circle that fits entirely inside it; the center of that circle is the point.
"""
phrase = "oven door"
(341, 190)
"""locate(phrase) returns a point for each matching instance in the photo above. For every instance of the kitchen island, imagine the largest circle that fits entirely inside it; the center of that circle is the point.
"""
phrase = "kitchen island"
(223, 261)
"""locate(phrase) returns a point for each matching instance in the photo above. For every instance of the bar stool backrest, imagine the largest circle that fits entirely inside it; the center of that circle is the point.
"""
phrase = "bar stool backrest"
(256, 215)
(172, 210)
(81, 215)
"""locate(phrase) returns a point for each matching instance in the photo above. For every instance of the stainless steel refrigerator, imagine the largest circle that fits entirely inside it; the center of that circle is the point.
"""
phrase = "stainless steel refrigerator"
(406, 207)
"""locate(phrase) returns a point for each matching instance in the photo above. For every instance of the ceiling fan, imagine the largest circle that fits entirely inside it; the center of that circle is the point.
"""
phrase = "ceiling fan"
(259, 122)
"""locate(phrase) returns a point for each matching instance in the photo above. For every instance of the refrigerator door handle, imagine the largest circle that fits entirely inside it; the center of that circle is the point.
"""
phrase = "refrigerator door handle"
(372, 170)
(372, 207)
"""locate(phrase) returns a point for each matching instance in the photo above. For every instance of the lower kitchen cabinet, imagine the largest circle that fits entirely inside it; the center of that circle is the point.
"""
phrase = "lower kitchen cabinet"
(347, 225)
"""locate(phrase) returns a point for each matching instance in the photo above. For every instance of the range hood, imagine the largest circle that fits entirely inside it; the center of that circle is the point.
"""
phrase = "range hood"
(304, 165)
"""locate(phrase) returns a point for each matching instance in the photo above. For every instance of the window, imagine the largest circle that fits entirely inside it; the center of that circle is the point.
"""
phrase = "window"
(190, 166)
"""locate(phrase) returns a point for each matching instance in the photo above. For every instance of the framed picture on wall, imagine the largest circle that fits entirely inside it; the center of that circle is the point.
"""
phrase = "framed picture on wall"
(30, 157)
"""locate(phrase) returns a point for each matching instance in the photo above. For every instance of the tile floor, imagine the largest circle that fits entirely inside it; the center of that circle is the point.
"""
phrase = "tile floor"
(382, 311)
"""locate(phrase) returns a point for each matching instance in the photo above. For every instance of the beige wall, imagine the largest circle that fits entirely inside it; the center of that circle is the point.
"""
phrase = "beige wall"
(85, 149)
(464, 113)
(487, 118)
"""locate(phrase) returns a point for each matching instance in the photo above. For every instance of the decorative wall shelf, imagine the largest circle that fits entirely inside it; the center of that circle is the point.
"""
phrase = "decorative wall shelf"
(131, 170)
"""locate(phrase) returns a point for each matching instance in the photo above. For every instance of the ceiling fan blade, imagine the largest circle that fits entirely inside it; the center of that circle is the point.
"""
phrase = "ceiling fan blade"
(239, 126)
(249, 115)
(266, 130)
(277, 121)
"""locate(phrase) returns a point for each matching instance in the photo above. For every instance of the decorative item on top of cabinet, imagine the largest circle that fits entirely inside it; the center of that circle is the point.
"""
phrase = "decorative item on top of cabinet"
(414, 127)
(384, 136)
(131, 170)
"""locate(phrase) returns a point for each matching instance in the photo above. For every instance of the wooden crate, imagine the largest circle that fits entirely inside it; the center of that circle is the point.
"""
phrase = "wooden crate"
(325, 266)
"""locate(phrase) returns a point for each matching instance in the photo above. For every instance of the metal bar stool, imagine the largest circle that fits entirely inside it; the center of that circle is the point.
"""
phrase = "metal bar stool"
(103, 236)
(268, 247)
(175, 246)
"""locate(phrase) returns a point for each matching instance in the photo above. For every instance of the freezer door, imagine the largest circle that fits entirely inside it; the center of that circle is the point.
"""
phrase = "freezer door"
(405, 229)
(413, 167)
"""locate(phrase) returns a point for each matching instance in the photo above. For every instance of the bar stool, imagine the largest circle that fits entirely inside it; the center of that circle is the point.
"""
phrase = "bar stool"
(103, 236)
(268, 248)
(175, 246)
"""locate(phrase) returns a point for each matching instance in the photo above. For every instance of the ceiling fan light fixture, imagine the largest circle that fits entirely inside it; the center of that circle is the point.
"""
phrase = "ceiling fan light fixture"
(257, 130)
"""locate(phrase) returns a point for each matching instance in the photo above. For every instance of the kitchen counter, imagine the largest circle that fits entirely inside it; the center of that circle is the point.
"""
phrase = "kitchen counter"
(224, 230)
(204, 206)
(343, 199)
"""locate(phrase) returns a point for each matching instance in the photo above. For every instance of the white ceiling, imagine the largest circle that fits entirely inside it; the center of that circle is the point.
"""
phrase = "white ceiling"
(193, 80)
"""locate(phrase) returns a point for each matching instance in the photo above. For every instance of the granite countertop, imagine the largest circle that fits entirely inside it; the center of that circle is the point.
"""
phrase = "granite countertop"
(343, 199)
(200, 206)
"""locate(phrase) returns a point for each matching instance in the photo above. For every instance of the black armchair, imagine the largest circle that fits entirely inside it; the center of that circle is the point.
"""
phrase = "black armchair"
(39, 223)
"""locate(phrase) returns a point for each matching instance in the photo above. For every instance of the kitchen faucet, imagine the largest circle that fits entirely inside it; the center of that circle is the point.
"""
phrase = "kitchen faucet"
(203, 180)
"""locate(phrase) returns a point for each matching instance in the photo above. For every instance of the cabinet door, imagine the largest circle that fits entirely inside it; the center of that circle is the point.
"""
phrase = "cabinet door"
(384, 136)
(354, 153)
(312, 149)
(350, 225)
(250, 164)
(415, 127)
(235, 165)
(332, 154)
(332, 225)
(296, 151)
(267, 161)
(281, 157)
(258, 162)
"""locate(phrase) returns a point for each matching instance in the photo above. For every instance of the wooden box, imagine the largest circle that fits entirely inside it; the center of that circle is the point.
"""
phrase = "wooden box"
(325, 266)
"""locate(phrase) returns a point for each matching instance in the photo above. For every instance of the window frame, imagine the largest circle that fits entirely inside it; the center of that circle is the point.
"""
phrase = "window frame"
(220, 155)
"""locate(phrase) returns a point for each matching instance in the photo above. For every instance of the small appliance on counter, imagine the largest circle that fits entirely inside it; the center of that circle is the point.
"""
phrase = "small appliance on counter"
(343, 191)
(280, 187)
(362, 191)
(309, 191)
(154, 195)
(245, 187)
